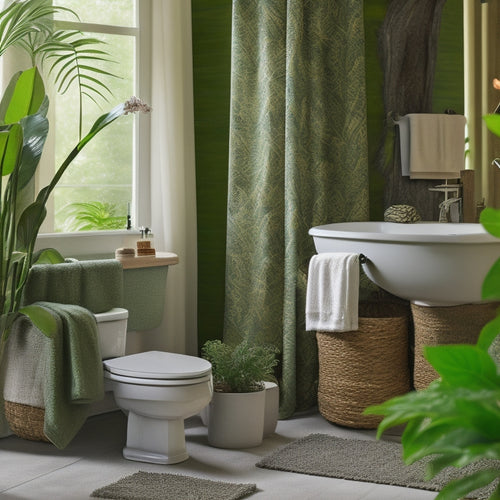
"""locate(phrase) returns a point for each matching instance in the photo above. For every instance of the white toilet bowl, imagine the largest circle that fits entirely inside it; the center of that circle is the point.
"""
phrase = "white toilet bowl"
(158, 390)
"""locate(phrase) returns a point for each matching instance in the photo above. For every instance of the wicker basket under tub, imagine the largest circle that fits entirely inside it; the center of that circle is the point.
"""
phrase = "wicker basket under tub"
(364, 367)
(25, 421)
(445, 325)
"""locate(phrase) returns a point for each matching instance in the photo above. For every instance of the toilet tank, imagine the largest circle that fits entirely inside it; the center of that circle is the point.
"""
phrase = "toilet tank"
(112, 332)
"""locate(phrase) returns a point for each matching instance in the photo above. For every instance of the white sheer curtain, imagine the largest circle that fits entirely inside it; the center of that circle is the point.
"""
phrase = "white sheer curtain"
(173, 188)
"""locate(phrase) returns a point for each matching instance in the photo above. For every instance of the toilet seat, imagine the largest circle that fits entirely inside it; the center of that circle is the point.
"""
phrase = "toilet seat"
(158, 368)
(155, 382)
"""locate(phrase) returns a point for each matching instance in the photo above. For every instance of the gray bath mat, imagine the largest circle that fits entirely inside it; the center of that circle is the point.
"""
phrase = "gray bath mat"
(159, 486)
(359, 460)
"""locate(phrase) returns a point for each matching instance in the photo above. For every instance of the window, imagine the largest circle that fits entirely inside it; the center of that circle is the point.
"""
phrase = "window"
(104, 175)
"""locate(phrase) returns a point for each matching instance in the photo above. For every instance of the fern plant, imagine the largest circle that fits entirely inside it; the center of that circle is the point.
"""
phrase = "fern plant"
(242, 368)
(92, 216)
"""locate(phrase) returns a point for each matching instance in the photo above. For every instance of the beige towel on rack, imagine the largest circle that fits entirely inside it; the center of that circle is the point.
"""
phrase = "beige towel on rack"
(432, 145)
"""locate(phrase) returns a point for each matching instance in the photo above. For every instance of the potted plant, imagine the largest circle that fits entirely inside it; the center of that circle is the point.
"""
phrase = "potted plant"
(456, 420)
(236, 412)
(23, 129)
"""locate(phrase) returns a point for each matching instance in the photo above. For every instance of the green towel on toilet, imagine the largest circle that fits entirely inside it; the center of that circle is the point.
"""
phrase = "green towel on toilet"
(96, 285)
(63, 373)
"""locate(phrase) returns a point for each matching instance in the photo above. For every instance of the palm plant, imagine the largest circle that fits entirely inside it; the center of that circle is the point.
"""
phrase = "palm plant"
(71, 57)
(23, 130)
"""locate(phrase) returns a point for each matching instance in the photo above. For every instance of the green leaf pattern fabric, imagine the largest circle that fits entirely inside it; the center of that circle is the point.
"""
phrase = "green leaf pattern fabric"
(297, 159)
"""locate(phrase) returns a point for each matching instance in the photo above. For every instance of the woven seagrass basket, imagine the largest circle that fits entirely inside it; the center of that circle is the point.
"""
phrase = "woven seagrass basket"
(364, 367)
(25, 421)
(445, 325)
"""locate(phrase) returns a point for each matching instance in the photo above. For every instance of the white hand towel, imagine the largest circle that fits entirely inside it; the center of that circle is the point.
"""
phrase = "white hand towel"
(333, 292)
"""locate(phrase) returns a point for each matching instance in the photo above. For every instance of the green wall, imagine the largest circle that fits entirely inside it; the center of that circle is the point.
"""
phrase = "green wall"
(448, 83)
(448, 80)
(211, 71)
(211, 66)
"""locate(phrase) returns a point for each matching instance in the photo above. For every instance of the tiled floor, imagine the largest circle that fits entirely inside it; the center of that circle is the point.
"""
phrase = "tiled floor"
(33, 470)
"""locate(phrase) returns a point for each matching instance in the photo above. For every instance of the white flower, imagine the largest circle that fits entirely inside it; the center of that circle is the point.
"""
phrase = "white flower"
(134, 105)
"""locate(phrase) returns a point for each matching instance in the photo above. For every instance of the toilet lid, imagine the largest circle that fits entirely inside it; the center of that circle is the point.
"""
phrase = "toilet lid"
(159, 365)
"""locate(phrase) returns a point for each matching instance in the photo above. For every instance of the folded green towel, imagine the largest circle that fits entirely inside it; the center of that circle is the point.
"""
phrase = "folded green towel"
(96, 285)
(62, 373)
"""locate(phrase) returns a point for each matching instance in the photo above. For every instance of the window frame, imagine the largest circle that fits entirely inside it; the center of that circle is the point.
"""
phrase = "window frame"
(102, 242)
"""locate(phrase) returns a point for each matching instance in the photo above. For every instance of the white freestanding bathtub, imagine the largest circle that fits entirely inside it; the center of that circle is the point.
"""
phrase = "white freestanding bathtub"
(428, 263)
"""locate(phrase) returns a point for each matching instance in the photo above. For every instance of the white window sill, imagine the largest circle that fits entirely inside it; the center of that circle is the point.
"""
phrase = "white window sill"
(88, 244)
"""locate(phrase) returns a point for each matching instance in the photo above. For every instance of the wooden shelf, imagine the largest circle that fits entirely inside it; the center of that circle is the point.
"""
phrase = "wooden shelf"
(160, 259)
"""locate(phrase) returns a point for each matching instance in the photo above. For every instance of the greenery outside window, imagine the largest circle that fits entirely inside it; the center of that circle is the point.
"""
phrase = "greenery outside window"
(100, 188)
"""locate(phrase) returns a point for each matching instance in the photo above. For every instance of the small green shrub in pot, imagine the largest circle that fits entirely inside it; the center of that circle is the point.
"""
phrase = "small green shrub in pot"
(236, 413)
(241, 368)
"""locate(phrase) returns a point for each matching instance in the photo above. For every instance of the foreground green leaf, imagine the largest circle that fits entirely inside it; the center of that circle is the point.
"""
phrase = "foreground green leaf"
(493, 123)
(41, 318)
(460, 487)
(490, 289)
(488, 334)
(47, 256)
(11, 144)
(463, 366)
(490, 219)
(27, 96)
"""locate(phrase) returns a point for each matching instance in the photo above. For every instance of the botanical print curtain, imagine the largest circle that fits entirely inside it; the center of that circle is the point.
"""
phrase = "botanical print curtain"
(298, 158)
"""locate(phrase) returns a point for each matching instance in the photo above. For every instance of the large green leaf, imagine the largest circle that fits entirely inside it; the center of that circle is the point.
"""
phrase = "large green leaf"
(452, 441)
(490, 219)
(7, 95)
(102, 122)
(459, 488)
(11, 143)
(415, 405)
(493, 123)
(463, 366)
(488, 334)
(489, 451)
(28, 95)
(35, 130)
(41, 318)
(29, 224)
(491, 285)
(47, 256)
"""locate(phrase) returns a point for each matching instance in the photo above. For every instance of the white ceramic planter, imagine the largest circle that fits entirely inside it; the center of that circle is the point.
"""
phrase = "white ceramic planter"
(272, 408)
(236, 420)
(271, 411)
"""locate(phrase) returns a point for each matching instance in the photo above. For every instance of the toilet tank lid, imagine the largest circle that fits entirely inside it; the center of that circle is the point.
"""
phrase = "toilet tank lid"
(115, 314)
(159, 365)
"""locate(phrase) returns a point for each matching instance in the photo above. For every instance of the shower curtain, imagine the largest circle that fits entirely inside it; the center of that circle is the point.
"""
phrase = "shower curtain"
(298, 158)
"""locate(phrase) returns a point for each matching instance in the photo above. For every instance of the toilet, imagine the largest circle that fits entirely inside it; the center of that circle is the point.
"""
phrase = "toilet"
(157, 390)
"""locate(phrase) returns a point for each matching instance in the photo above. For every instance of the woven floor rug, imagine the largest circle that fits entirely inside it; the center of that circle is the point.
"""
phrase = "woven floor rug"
(358, 460)
(159, 486)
